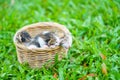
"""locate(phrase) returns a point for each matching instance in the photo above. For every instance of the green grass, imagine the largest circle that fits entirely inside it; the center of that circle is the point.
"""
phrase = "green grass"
(94, 24)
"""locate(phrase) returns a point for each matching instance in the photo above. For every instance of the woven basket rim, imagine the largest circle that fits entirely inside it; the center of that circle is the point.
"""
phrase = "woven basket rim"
(62, 27)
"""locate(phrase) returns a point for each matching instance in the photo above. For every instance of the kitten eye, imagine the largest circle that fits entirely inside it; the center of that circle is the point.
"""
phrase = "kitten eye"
(47, 40)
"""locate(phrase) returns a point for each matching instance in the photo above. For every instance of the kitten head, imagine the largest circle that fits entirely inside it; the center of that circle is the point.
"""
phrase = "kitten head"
(23, 37)
(51, 38)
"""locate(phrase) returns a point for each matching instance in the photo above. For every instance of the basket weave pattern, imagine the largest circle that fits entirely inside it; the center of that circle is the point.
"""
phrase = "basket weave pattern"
(38, 57)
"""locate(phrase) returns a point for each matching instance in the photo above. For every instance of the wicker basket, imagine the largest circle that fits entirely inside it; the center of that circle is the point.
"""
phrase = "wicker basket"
(38, 57)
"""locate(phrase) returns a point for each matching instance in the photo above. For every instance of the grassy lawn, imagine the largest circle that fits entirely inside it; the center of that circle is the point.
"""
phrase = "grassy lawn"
(94, 24)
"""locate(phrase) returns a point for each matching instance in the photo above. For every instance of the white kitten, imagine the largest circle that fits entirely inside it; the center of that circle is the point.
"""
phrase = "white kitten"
(41, 41)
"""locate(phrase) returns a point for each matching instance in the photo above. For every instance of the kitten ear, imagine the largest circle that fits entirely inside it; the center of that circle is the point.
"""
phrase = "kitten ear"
(18, 39)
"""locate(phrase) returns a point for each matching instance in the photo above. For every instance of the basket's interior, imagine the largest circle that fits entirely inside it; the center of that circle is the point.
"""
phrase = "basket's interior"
(33, 31)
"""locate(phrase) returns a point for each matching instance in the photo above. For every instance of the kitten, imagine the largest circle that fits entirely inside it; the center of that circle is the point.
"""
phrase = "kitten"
(23, 37)
(51, 38)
